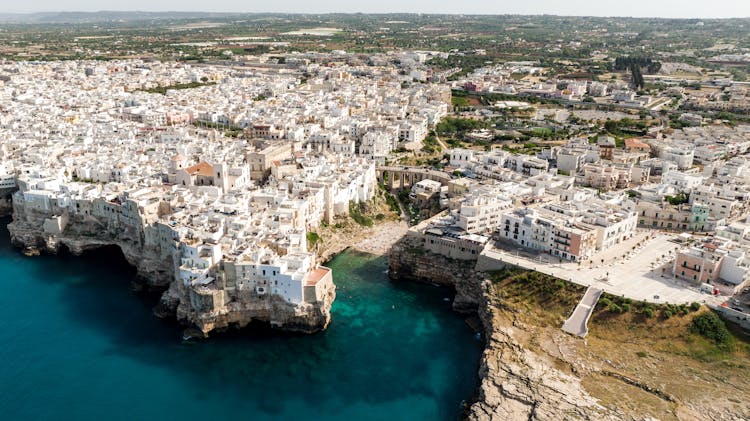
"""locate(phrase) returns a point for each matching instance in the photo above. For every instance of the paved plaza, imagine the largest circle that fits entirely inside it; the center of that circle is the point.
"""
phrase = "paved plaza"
(639, 268)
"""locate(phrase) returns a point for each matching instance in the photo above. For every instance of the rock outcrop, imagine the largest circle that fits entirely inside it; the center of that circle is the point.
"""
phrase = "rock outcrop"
(410, 262)
(6, 204)
(201, 308)
(516, 383)
(82, 233)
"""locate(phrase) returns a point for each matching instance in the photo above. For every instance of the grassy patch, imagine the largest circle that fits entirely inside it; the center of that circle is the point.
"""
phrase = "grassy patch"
(547, 299)
(355, 212)
(163, 89)
(458, 101)
(312, 239)
(710, 326)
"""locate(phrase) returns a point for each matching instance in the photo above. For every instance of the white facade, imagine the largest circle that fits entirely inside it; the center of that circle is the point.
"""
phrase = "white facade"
(682, 156)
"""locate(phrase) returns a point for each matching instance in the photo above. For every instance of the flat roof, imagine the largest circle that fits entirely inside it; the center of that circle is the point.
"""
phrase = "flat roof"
(316, 275)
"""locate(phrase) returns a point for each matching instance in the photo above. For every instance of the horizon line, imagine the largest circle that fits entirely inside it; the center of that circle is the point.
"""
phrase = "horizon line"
(374, 13)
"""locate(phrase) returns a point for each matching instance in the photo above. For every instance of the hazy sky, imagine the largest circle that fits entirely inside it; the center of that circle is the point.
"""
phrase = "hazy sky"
(661, 8)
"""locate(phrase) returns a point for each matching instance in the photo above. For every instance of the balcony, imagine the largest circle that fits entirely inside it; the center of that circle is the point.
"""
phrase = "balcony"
(565, 243)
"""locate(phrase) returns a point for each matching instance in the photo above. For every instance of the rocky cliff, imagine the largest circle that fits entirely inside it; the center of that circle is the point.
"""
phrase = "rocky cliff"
(82, 233)
(202, 309)
(6, 205)
(410, 262)
(242, 307)
(517, 383)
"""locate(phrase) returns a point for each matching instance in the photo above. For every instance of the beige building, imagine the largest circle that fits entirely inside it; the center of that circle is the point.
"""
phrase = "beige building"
(613, 177)
(684, 217)
(261, 160)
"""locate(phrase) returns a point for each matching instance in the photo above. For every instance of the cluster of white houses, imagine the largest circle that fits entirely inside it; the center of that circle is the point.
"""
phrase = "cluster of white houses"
(229, 175)
(580, 199)
(85, 140)
(572, 224)
(243, 238)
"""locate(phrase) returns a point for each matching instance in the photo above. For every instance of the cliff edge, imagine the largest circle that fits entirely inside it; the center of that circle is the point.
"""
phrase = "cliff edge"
(201, 307)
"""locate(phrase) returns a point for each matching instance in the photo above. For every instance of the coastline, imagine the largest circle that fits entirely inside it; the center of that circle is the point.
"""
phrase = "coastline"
(367, 332)
(197, 307)
(377, 240)
(387, 237)
(380, 240)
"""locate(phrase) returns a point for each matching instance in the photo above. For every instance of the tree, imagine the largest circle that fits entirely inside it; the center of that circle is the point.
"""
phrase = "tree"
(710, 326)
(636, 77)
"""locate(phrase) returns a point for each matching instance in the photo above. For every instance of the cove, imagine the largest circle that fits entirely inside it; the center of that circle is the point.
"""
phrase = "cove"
(77, 343)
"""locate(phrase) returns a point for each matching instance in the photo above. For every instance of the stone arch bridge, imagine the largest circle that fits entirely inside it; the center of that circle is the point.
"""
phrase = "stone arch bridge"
(400, 177)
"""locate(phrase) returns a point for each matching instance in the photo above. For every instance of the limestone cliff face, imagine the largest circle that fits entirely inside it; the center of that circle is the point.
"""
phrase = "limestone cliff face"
(6, 205)
(242, 307)
(518, 384)
(409, 261)
(515, 382)
(155, 267)
(203, 308)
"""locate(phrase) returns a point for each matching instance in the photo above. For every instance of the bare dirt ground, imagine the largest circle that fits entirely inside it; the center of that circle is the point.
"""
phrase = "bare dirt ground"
(641, 367)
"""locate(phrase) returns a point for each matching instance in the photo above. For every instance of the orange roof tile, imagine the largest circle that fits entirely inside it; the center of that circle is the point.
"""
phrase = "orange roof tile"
(202, 168)
(635, 144)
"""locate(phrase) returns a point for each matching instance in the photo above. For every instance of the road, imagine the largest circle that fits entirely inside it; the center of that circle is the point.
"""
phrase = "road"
(441, 143)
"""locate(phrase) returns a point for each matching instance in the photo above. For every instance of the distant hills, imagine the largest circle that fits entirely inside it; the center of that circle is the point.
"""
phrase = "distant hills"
(102, 16)
(135, 16)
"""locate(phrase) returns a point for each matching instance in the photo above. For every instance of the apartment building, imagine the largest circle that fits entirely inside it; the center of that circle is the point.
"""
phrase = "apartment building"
(546, 232)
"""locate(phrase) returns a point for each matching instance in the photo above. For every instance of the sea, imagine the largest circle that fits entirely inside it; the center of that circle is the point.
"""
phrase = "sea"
(77, 343)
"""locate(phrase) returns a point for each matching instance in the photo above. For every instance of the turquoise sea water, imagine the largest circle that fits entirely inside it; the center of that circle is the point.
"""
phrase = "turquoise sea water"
(77, 343)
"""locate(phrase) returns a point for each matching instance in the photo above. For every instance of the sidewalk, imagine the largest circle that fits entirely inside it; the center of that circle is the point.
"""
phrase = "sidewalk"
(644, 274)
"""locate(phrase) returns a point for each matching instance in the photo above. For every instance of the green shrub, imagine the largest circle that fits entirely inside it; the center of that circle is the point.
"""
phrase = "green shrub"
(356, 214)
(614, 308)
(695, 306)
(711, 327)
(312, 239)
(392, 203)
